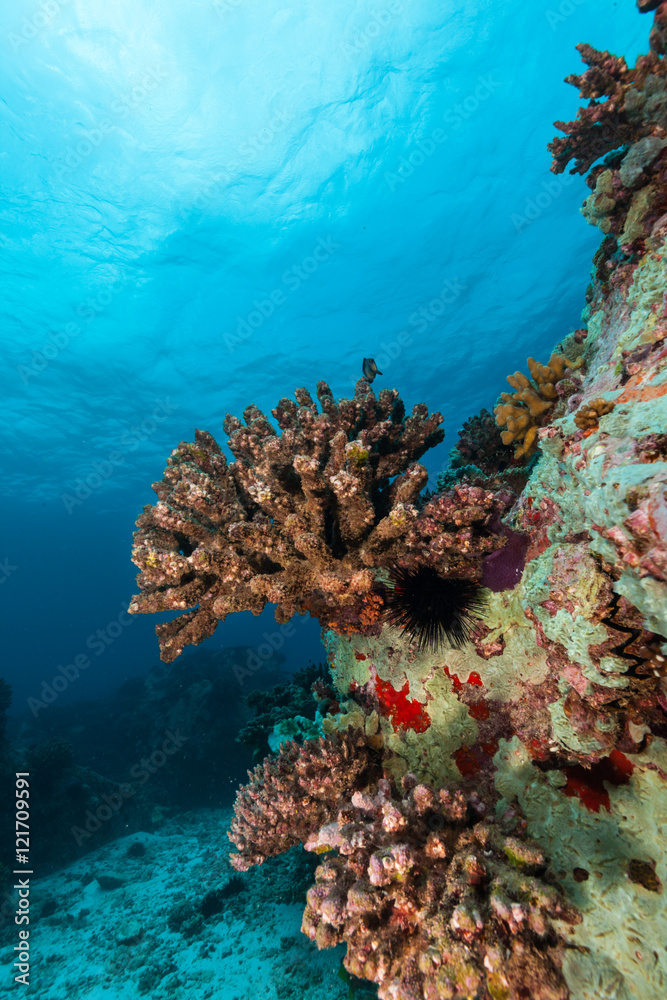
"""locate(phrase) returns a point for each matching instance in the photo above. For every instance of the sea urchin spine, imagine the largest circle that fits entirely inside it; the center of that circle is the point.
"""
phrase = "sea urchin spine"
(432, 609)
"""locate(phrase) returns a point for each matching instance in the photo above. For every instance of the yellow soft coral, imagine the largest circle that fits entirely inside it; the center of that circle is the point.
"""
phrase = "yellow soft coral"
(521, 411)
(588, 416)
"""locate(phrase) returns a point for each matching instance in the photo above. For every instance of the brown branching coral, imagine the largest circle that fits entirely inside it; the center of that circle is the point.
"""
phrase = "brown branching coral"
(645, 6)
(290, 796)
(298, 520)
(479, 445)
(588, 415)
(432, 896)
(481, 458)
(619, 110)
(455, 531)
(523, 412)
(367, 618)
(626, 118)
(433, 899)
(658, 36)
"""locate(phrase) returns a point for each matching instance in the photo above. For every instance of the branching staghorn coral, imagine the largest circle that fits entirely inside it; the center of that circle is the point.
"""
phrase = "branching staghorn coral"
(626, 118)
(455, 531)
(621, 109)
(523, 412)
(432, 896)
(291, 796)
(298, 520)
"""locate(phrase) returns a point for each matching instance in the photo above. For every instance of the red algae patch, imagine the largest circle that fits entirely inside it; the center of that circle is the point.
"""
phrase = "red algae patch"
(588, 783)
(472, 760)
(404, 713)
(456, 683)
(474, 679)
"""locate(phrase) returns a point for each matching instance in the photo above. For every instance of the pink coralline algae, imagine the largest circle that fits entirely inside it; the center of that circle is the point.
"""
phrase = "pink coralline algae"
(291, 796)
(641, 542)
(299, 520)
(434, 899)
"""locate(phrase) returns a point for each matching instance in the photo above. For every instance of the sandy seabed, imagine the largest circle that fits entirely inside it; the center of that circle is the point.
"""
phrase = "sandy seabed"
(126, 922)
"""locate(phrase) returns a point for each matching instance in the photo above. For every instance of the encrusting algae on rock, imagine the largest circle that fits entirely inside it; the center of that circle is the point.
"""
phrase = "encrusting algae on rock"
(490, 813)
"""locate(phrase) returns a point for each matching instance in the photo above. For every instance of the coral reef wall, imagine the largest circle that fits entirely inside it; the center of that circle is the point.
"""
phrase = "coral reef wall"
(492, 809)
(559, 702)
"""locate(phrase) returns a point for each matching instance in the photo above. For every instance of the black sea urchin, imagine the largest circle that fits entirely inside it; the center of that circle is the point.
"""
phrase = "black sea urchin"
(431, 609)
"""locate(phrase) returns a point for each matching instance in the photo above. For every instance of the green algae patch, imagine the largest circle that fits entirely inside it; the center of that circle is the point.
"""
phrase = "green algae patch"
(523, 855)
(625, 926)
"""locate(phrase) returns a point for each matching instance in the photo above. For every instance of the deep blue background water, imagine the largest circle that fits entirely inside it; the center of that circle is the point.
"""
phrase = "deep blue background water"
(209, 204)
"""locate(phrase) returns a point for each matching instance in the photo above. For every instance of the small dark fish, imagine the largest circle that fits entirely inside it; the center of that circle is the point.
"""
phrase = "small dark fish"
(370, 369)
(355, 985)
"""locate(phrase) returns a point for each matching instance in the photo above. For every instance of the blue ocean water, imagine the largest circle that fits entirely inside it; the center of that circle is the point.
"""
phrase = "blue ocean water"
(208, 203)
